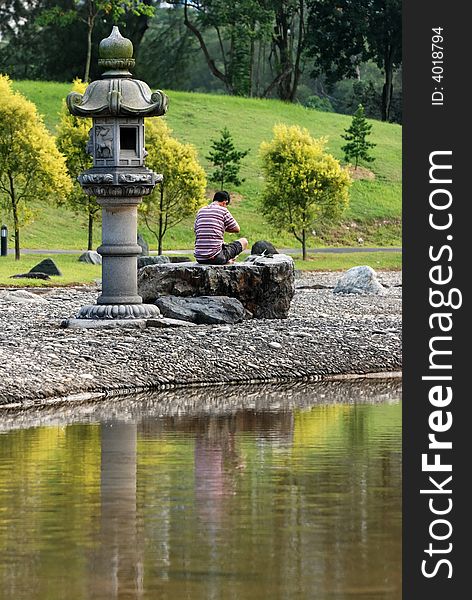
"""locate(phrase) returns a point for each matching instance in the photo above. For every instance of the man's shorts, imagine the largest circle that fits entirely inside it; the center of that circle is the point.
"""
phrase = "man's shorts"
(227, 252)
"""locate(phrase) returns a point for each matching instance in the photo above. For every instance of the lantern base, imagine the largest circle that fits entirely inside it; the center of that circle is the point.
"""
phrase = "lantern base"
(118, 311)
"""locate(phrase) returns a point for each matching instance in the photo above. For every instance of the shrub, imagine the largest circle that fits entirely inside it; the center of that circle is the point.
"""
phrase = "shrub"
(30, 164)
(304, 184)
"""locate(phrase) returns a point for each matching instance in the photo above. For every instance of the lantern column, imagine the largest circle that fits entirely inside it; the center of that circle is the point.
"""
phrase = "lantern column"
(117, 104)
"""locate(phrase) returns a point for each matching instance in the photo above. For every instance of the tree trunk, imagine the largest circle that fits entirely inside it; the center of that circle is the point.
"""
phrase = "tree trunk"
(16, 225)
(89, 50)
(161, 224)
(282, 42)
(251, 69)
(303, 244)
(301, 38)
(16, 229)
(222, 180)
(387, 90)
(210, 61)
(136, 27)
(90, 231)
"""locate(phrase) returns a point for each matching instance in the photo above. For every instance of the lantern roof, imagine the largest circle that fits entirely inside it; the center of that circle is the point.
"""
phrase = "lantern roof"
(117, 94)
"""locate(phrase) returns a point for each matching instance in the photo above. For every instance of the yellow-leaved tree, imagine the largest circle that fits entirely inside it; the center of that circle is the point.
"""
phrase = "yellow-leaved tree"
(72, 138)
(304, 184)
(182, 190)
(31, 166)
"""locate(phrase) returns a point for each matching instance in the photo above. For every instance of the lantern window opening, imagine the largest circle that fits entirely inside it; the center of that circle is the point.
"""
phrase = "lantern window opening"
(129, 139)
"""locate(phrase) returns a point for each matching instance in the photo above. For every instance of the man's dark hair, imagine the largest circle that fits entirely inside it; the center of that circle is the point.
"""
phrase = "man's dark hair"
(222, 196)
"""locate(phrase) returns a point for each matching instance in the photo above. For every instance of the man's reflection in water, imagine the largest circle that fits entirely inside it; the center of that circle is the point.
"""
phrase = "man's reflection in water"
(219, 460)
(118, 571)
(216, 463)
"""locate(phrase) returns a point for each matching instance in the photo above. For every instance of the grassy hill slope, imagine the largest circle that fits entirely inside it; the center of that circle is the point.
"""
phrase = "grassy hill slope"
(375, 208)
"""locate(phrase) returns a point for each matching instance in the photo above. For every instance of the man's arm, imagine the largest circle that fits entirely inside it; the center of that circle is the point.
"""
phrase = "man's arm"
(231, 225)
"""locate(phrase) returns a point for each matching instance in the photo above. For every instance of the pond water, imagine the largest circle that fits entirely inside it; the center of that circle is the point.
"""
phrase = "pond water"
(240, 493)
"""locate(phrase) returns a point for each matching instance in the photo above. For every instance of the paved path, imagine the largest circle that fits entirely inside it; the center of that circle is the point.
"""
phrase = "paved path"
(343, 250)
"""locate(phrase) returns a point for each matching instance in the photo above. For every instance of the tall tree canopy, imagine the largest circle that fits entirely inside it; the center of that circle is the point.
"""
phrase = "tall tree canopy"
(260, 43)
(343, 33)
(90, 12)
(237, 25)
(55, 39)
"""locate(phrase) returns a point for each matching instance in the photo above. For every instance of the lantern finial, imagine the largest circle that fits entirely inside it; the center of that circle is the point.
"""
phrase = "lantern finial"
(116, 55)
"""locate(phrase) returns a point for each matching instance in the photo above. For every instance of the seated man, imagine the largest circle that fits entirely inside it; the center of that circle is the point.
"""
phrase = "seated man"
(210, 225)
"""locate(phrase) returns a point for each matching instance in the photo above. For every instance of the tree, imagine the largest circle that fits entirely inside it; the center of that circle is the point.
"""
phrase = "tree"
(91, 12)
(343, 33)
(304, 184)
(243, 29)
(72, 138)
(226, 159)
(94, 9)
(28, 47)
(31, 167)
(357, 146)
(287, 47)
(182, 190)
(169, 52)
(55, 39)
(238, 25)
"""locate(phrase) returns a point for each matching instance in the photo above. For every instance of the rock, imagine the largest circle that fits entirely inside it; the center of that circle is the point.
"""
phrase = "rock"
(264, 248)
(180, 259)
(204, 310)
(358, 280)
(143, 261)
(31, 276)
(91, 257)
(144, 245)
(164, 322)
(47, 266)
(264, 286)
(22, 296)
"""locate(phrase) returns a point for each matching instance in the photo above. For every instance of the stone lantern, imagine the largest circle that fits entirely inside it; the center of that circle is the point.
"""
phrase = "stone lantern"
(117, 104)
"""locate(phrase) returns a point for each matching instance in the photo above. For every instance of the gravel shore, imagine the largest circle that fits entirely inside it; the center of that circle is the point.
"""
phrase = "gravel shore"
(325, 335)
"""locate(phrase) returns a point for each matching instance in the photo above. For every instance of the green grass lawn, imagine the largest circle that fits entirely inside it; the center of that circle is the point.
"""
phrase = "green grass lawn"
(375, 208)
(379, 261)
(75, 272)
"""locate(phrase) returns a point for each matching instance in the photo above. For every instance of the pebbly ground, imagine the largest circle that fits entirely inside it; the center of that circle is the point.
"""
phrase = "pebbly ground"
(325, 335)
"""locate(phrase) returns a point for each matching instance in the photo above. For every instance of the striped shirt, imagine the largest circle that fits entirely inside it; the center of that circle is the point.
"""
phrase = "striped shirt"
(210, 225)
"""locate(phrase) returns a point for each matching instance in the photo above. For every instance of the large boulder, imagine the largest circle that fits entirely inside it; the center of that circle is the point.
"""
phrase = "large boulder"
(21, 296)
(47, 266)
(143, 261)
(204, 310)
(263, 248)
(358, 280)
(91, 257)
(264, 286)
